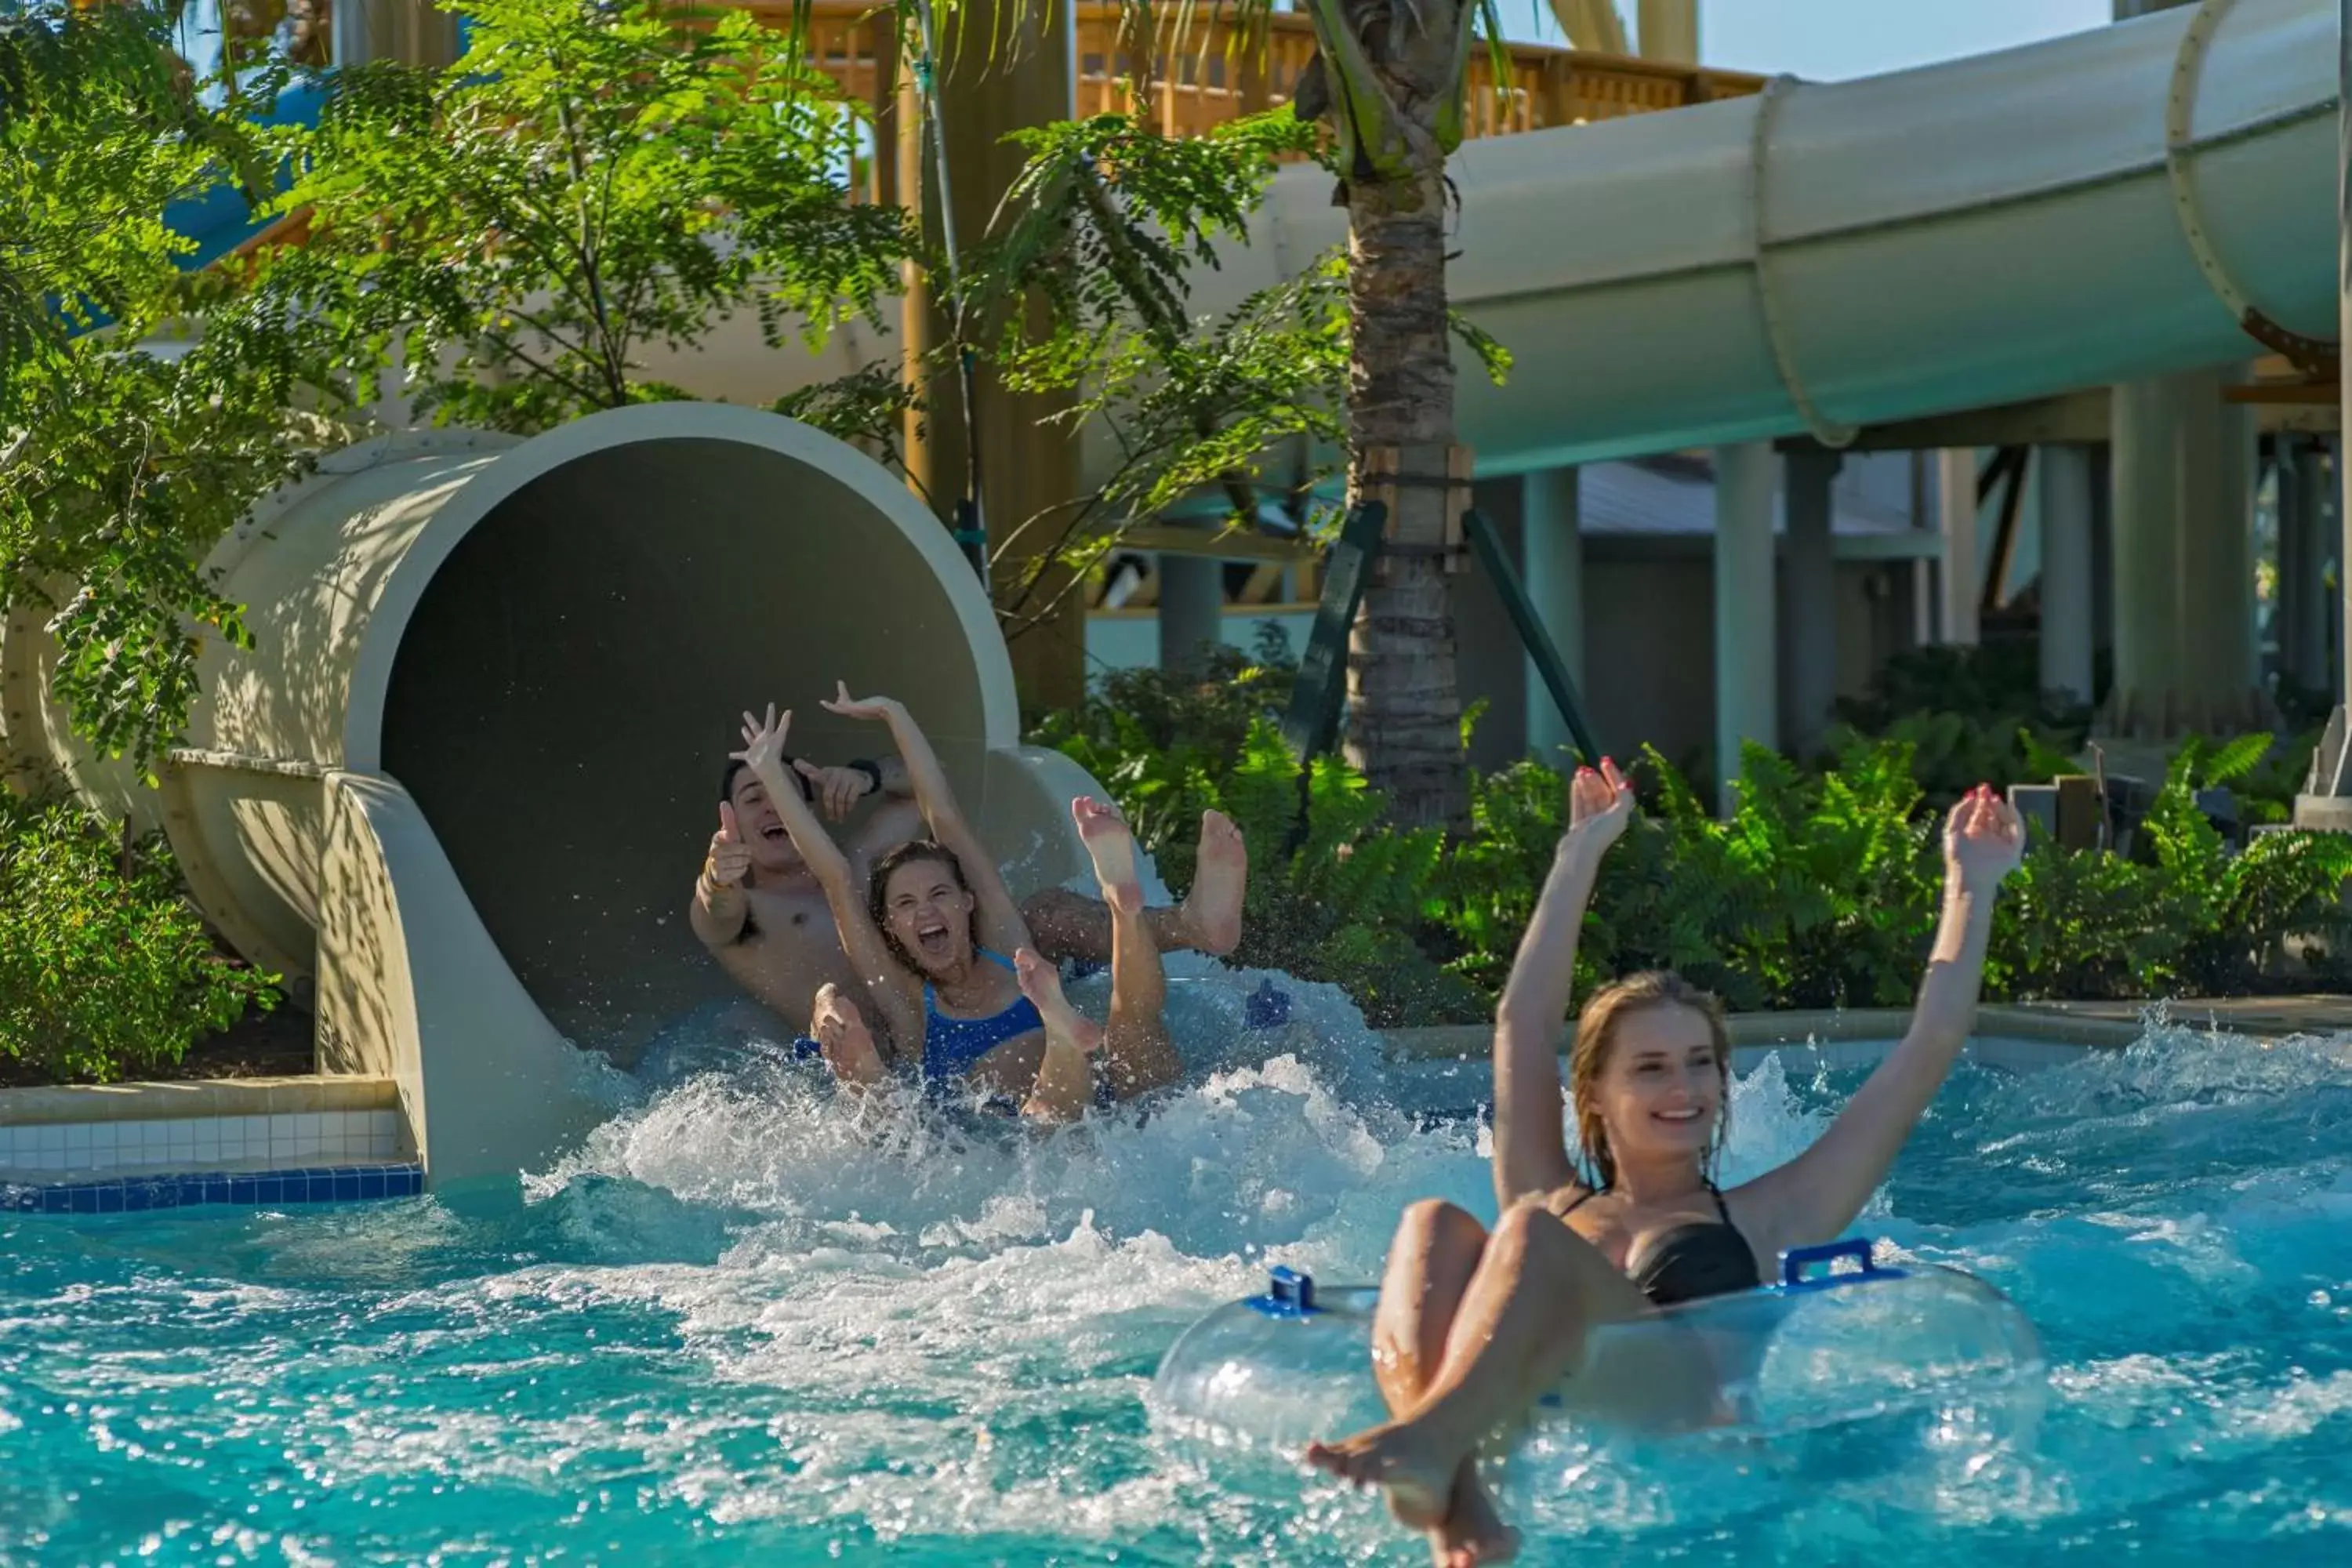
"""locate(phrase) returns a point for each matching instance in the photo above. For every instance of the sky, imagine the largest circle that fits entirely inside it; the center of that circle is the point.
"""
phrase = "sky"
(1830, 40)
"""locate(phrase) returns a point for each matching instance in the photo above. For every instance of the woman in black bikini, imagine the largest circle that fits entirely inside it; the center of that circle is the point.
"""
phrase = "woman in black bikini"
(1473, 1327)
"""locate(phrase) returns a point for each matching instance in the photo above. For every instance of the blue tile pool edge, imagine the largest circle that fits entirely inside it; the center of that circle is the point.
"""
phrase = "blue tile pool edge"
(249, 1189)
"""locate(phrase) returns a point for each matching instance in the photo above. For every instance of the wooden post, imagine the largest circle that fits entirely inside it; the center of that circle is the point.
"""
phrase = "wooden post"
(1000, 67)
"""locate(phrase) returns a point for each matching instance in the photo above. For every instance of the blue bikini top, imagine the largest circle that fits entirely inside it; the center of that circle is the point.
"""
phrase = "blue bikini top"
(952, 1046)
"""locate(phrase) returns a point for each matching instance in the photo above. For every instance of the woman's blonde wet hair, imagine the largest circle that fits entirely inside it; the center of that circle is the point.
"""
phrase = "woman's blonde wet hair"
(1596, 1031)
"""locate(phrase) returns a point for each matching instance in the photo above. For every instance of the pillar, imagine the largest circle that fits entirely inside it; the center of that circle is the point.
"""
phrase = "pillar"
(1192, 610)
(1002, 66)
(2303, 552)
(1960, 579)
(1746, 698)
(1669, 31)
(1809, 638)
(2063, 475)
(1551, 529)
(2182, 463)
(413, 32)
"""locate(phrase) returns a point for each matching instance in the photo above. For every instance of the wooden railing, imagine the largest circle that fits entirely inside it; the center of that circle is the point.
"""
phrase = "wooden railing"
(1211, 72)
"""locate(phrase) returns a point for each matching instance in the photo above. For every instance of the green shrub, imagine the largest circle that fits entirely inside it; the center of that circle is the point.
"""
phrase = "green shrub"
(1821, 890)
(1969, 715)
(104, 966)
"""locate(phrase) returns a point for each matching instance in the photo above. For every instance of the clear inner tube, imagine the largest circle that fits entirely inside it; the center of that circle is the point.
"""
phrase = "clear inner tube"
(1823, 1347)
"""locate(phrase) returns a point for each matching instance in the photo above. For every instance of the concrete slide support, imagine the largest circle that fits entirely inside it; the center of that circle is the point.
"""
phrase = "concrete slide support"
(1960, 574)
(1745, 689)
(2307, 552)
(1192, 609)
(1551, 529)
(2063, 475)
(2183, 483)
(1809, 636)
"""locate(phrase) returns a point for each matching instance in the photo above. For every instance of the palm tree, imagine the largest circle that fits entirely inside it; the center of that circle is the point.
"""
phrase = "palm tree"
(1389, 80)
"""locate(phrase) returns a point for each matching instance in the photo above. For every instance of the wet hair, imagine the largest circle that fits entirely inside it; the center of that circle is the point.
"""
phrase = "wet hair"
(736, 765)
(1596, 1031)
(877, 888)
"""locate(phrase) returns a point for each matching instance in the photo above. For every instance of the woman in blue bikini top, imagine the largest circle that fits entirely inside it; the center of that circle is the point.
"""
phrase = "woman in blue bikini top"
(947, 961)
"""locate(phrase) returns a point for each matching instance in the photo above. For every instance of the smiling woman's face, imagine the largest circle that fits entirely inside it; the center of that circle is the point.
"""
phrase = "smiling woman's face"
(1661, 1089)
(930, 914)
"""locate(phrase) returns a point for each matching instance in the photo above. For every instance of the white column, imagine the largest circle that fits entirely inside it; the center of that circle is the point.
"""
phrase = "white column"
(1811, 634)
(1191, 608)
(1956, 513)
(2062, 474)
(1746, 694)
(2144, 460)
(1553, 546)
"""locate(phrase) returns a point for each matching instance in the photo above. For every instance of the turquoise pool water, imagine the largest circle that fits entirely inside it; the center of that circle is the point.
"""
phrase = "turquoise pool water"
(739, 1327)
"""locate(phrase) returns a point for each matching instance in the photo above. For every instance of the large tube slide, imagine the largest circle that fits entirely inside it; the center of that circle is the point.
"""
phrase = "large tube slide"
(459, 786)
(1991, 229)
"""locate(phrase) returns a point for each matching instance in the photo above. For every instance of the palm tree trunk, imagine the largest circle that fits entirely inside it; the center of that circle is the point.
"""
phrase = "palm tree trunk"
(1404, 708)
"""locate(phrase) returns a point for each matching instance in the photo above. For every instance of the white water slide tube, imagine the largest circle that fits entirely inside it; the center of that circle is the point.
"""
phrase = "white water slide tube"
(2088, 210)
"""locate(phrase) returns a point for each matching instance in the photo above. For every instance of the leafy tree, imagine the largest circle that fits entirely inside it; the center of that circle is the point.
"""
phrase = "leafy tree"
(589, 182)
(119, 468)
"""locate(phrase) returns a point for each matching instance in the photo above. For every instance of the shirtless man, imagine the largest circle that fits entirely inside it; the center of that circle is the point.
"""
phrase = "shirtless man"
(760, 911)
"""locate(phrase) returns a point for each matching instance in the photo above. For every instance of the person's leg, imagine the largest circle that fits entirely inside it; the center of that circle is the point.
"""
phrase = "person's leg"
(1521, 1327)
(1431, 1263)
(1138, 1054)
(1069, 925)
(1062, 1085)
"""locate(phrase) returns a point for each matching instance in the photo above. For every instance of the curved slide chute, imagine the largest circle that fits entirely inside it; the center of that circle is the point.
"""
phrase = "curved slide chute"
(458, 786)
(1824, 255)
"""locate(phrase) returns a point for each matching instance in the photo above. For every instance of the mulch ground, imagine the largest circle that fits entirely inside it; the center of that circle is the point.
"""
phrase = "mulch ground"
(263, 1045)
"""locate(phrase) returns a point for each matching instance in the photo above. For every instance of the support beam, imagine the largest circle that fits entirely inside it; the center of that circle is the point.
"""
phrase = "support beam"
(1551, 536)
(2063, 475)
(1746, 694)
(1002, 67)
(413, 32)
(1958, 581)
(1810, 634)
(2326, 800)
(2183, 482)
(1668, 31)
(1192, 611)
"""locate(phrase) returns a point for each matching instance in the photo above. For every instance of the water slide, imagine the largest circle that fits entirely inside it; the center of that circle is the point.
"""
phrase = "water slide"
(457, 791)
(1819, 257)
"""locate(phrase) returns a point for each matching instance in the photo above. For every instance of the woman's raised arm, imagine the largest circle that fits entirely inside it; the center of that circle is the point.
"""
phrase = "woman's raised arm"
(1815, 1197)
(1531, 1140)
(999, 924)
(886, 981)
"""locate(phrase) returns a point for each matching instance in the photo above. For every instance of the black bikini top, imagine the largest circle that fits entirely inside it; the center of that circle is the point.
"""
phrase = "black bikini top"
(1689, 1262)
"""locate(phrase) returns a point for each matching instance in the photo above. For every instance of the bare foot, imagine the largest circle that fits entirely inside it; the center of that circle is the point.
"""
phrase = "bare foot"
(1473, 1534)
(1213, 909)
(849, 1048)
(1112, 848)
(1401, 1459)
(1065, 1025)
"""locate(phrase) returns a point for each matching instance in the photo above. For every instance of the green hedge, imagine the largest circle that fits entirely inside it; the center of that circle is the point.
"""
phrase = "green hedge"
(1820, 890)
(105, 967)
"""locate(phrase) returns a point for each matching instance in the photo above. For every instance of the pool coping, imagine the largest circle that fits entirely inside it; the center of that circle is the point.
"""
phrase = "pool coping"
(186, 1097)
(2053, 1022)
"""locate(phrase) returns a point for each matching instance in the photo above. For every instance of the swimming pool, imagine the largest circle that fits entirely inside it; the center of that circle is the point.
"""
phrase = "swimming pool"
(736, 1328)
